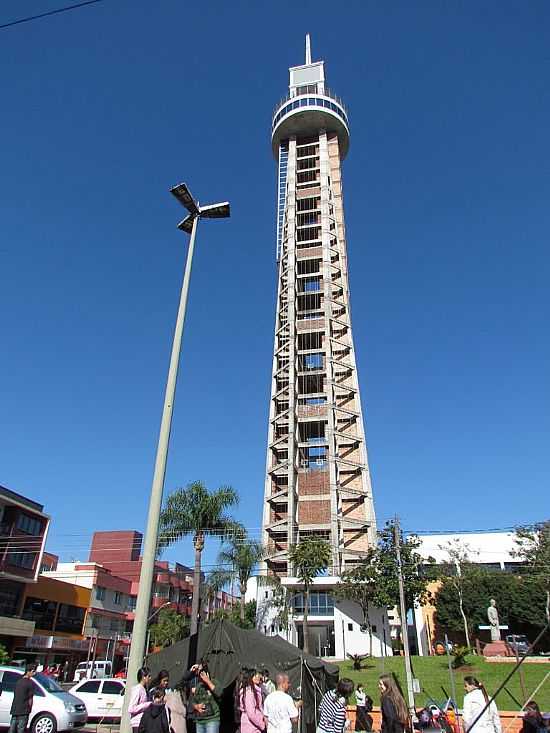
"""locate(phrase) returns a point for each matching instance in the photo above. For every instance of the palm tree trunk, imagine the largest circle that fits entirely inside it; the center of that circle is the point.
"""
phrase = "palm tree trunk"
(304, 620)
(243, 601)
(198, 542)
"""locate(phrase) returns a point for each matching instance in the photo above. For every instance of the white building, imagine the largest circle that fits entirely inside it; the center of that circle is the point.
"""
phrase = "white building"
(492, 550)
(335, 627)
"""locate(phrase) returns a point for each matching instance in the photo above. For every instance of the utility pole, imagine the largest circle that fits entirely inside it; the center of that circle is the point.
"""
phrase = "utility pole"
(403, 614)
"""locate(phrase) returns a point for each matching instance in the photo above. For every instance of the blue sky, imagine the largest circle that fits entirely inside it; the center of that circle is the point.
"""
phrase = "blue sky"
(446, 191)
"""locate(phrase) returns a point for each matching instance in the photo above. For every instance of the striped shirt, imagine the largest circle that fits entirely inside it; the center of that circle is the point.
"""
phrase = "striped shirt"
(332, 713)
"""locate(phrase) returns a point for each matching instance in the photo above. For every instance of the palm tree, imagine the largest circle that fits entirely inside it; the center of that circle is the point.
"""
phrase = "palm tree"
(309, 558)
(240, 555)
(199, 512)
(216, 581)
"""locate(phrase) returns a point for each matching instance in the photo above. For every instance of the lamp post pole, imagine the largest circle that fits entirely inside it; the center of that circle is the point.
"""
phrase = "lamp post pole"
(148, 637)
(189, 224)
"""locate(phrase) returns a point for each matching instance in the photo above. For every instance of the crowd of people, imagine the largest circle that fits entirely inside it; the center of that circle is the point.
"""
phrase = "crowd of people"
(262, 705)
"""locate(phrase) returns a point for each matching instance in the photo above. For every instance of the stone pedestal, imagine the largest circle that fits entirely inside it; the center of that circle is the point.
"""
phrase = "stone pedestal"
(497, 649)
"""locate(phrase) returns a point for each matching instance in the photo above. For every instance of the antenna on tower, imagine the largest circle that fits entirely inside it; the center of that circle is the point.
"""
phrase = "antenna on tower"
(308, 49)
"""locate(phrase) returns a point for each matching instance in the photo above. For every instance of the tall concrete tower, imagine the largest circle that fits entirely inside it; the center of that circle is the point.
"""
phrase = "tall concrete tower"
(317, 474)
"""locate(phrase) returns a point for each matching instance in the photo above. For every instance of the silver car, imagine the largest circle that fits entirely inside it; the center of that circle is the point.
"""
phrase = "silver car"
(53, 709)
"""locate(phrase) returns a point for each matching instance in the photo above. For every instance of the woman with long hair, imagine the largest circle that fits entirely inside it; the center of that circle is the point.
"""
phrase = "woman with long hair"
(162, 681)
(176, 702)
(332, 711)
(395, 714)
(251, 703)
(475, 700)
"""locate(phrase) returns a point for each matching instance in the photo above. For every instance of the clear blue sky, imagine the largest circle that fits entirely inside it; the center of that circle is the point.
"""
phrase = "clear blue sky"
(447, 190)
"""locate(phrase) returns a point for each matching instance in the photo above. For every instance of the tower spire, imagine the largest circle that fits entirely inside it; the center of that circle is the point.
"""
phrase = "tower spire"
(308, 49)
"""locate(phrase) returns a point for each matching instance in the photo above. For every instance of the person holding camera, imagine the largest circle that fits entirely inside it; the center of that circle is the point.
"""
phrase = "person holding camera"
(204, 702)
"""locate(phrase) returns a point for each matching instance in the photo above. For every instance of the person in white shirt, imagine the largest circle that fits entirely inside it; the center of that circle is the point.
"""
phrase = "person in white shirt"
(279, 708)
(476, 701)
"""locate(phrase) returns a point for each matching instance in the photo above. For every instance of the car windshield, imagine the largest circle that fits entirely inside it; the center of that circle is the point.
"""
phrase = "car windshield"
(48, 683)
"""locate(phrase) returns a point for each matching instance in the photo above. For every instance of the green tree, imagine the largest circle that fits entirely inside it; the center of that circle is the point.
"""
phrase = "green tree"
(241, 554)
(4, 656)
(416, 569)
(234, 615)
(199, 512)
(459, 570)
(280, 601)
(533, 548)
(362, 586)
(170, 628)
(308, 558)
(478, 586)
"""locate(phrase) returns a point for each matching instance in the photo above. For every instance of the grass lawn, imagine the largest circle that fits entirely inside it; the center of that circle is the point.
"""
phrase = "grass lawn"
(433, 673)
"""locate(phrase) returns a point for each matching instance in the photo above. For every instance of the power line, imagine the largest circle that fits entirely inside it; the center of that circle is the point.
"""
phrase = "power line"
(50, 12)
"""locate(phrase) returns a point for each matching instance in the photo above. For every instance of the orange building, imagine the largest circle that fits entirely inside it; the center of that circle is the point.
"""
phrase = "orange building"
(59, 613)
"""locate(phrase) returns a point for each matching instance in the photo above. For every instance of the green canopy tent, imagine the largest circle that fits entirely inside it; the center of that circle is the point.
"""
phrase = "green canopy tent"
(228, 649)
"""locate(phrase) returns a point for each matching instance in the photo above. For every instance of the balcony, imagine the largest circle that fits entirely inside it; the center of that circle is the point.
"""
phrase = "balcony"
(327, 93)
(306, 114)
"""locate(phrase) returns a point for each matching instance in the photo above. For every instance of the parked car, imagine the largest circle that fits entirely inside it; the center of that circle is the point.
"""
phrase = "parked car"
(53, 709)
(103, 698)
(518, 642)
(92, 670)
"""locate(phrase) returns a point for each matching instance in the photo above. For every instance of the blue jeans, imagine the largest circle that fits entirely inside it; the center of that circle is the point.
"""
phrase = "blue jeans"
(209, 726)
(18, 723)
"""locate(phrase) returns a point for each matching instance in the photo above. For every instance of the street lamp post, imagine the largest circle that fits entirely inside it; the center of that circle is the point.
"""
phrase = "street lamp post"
(151, 617)
(188, 225)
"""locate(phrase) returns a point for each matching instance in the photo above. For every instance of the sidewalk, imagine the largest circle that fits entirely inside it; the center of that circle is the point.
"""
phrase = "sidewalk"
(101, 728)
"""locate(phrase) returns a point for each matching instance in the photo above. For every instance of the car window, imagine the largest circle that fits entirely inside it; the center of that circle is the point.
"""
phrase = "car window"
(9, 680)
(36, 690)
(111, 688)
(48, 683)
(90, 686)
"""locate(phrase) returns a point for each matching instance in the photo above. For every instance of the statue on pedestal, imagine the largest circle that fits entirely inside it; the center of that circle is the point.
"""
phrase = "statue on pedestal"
(492, 615)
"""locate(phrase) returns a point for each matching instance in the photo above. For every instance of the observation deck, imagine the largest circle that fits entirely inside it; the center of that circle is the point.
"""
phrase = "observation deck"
(307, 113)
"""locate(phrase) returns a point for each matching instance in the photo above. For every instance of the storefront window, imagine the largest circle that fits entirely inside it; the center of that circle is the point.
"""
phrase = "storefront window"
(41, 612)
(70, 619)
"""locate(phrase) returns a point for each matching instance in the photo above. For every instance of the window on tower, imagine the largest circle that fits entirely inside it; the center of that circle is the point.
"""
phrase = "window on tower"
(308, 203)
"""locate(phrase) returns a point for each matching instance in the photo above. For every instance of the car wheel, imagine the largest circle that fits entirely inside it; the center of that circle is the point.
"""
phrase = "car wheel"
(44, 723)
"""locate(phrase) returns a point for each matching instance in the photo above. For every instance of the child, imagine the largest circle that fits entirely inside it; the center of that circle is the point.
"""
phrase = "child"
(363, 721)
(156, 719)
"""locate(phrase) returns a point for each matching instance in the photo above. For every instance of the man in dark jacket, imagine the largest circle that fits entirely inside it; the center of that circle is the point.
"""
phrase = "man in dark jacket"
(22, 701)
(156, 719)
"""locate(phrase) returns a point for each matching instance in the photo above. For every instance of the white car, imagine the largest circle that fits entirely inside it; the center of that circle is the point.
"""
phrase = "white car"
(53, 709)
(103, 698)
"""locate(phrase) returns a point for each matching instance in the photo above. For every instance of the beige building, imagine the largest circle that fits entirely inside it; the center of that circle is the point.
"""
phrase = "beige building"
(317, 474)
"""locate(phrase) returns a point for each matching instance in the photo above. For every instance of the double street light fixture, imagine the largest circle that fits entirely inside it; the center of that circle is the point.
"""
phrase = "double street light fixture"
(188, 225)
